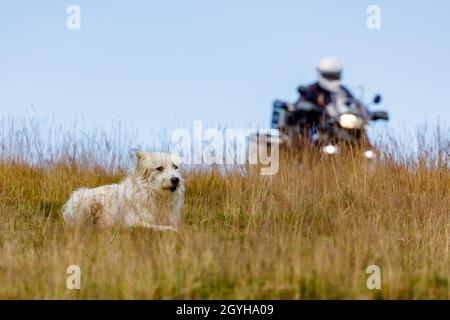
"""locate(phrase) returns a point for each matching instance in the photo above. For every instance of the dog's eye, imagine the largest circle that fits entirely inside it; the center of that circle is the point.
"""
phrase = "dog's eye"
(160, 169)
(175, 166)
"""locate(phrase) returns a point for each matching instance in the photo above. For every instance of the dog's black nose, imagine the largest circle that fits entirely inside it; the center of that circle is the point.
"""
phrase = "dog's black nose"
(175, 181)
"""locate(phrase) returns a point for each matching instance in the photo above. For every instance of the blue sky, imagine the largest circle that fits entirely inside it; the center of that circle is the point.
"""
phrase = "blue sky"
(159, 65)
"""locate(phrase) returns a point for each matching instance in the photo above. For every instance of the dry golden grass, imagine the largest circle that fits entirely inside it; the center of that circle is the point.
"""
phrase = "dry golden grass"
(308, 232)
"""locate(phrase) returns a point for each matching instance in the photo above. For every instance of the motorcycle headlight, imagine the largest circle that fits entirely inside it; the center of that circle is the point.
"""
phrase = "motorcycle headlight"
(370, 154)
(330, 149)
(349, 121)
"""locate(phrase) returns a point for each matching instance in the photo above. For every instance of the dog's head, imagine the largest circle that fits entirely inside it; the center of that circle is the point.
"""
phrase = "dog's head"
(159, 171)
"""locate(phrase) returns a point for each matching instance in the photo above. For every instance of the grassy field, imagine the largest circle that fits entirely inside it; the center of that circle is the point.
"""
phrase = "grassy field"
(309, 232)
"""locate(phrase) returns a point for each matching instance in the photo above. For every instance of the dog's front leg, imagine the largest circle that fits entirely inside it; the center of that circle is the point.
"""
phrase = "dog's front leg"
(154, 226)
(161, 228)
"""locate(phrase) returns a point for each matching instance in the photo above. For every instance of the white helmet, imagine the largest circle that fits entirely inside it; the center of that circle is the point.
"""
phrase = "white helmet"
(329, 73)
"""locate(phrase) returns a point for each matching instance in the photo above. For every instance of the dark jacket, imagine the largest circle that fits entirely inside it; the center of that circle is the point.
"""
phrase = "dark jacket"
(319, 96)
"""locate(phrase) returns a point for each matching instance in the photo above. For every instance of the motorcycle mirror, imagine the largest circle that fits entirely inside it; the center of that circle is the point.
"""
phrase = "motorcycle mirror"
(302, 90)
(377, 99)
(278, 104)
(379, 115)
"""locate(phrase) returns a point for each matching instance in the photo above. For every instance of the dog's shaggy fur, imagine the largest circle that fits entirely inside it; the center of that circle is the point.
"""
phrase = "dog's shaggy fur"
(151, 196)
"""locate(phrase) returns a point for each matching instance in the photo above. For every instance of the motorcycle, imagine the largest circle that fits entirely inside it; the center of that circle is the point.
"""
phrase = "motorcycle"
(340, 123)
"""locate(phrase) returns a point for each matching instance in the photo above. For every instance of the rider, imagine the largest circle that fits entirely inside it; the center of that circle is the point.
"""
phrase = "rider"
(329, 72)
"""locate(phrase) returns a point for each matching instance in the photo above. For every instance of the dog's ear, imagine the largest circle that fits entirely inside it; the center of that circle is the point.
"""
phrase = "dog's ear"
(142, 159)
(176, 159)
(140, 156)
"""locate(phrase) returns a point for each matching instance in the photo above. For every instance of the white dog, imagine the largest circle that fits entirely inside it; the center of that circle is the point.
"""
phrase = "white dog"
(151, 196)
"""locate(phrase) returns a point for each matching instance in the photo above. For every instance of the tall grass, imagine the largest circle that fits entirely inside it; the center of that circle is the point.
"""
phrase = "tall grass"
(309, 232)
